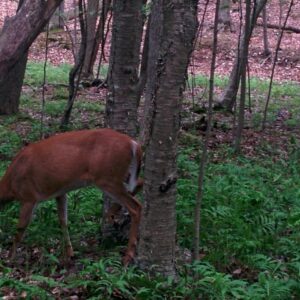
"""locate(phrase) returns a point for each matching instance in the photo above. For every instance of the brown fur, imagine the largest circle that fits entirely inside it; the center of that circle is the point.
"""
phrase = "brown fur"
(52, 167)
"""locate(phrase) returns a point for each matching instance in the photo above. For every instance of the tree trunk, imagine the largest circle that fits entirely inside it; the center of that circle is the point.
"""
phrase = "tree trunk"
(228, 97)
(204, 154)
(101, 35)
(267, 51)
(224, 14)
(75, 72)
(91, 22)
(274, 64)
(11, 86)
(19, 32)
(57, 21)
(123, 81)
(244, 59)
(175, 22)
(121, 108)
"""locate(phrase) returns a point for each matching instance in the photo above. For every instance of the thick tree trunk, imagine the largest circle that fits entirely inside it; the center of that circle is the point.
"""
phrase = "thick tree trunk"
(11, 86)
(123, 80)
(175, 23)
(228, 97)
(19, 32)
(121, 109)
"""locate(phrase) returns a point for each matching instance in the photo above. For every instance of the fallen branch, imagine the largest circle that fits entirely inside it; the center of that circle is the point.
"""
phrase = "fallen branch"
(286, 28)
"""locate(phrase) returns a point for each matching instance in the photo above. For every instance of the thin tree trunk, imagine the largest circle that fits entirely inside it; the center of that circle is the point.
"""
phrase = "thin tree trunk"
(197, 214)
(75, 73)
(244, 59)
(100, 38)
(91, 22)
(267, 51)
(144, 62)
(274, 65)
(228, 97)
(57, 20)
(166, 78)
(224, 14)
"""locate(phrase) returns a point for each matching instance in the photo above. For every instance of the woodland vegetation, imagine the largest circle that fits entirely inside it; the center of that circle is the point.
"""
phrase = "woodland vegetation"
(211, 89)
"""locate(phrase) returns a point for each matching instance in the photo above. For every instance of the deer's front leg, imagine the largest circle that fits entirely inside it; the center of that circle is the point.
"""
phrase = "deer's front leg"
(134, 208)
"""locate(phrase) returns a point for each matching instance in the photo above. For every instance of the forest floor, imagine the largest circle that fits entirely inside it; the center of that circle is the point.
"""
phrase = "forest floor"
(287, 68)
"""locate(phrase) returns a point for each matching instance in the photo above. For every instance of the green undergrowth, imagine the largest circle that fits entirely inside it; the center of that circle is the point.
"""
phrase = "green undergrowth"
(54, 74)
(249, 238)
(284, 99)
(250, 218)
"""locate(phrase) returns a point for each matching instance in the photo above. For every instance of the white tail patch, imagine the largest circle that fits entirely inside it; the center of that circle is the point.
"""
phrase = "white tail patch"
(132, 170)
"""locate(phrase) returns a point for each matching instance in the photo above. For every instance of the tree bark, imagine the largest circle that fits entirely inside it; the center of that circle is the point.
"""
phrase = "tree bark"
(91, 22)
(123, 80)
(11, 87)
(267, 51)
(175, 22)
(57, 22)
(75, 72)
(19, 31)
(99, 39)
(224, 14)
(228, 97)
(244, 59)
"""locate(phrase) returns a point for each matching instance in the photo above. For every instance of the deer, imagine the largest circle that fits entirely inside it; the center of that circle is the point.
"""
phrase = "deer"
(52, 167)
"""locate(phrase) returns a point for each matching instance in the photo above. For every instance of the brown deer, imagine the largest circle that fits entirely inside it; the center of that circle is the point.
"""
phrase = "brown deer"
(52, 167)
